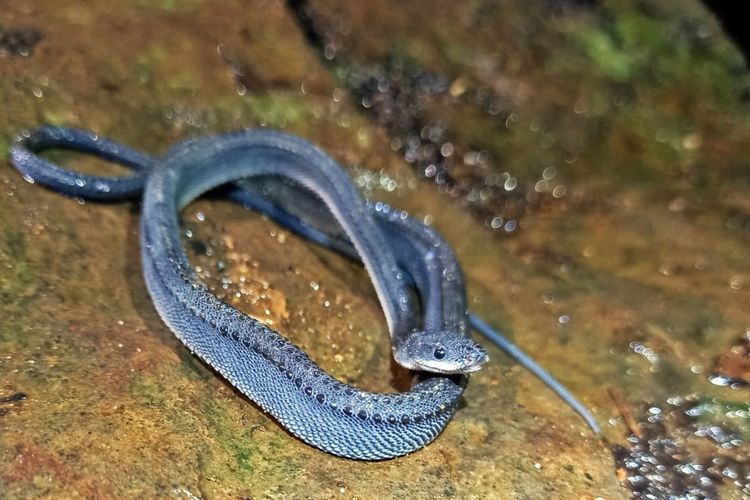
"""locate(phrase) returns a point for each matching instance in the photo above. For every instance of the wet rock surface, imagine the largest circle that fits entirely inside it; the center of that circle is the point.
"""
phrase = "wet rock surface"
(589, 166)
(18, 42)
(683, 448)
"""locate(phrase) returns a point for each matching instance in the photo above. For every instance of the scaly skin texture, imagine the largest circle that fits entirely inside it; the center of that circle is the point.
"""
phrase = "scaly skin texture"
(316, 200)
(426, 258)
(419, 251)
(271, 371)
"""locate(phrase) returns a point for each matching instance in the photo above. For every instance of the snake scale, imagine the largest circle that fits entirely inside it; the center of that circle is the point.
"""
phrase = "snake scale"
(398, 252)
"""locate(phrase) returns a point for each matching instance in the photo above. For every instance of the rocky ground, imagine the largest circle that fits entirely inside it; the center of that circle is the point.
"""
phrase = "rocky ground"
(588, 162)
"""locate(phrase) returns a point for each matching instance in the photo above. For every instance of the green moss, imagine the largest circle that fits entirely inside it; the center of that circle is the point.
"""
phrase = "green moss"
(7, 333)
(718, 412)
(19, 279)
(703, 328)
(4, 145)
(168, 5)
(610, 58)
(78, 15)
(250, 450)
(625, 48)
(160, 398)
(238, 446)
(148, 393)
(57, 114)
(279, 110)
(14, 245)
(183, 82)
(147, 61)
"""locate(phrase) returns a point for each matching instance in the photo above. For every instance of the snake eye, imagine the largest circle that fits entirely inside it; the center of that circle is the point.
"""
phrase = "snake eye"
(439, 353)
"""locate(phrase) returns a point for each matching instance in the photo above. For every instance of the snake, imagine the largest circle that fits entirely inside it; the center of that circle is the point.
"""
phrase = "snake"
(300, 212)
(398, 252)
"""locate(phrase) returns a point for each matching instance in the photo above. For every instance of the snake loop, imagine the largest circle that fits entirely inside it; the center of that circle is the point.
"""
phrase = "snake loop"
(396, 250)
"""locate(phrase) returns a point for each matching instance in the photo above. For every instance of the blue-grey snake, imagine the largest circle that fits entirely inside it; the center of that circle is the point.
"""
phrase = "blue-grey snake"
(397, 251)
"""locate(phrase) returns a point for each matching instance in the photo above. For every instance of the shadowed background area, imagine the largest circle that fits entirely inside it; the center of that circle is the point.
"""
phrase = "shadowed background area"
(587, 160)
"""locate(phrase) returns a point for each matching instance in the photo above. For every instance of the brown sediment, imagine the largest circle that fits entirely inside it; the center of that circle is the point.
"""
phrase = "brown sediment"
(625, 412)
(733, 366)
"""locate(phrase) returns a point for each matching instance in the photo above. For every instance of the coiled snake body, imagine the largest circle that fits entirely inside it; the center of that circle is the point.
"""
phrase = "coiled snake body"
(397, 252)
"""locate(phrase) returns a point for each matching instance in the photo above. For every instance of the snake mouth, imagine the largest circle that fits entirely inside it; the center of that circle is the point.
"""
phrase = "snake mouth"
(470, 365)
(475, 363)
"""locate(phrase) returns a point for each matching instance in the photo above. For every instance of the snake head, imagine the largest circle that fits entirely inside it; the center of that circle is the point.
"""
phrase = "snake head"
(440, 352)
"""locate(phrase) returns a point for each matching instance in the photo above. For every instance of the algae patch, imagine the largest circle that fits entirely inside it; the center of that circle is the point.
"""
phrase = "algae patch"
(17, 277)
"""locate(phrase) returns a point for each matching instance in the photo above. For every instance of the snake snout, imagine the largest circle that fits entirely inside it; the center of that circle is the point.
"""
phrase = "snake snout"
(474, 359)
